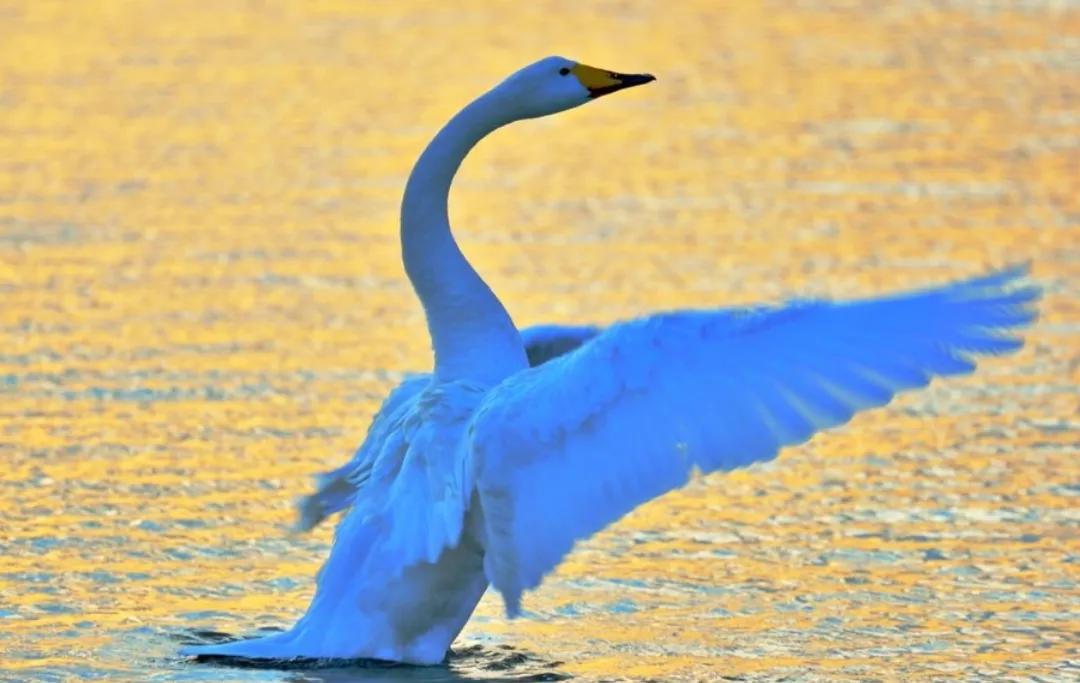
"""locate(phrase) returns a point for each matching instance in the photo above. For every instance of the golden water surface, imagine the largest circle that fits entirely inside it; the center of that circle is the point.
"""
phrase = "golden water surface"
(201, 304)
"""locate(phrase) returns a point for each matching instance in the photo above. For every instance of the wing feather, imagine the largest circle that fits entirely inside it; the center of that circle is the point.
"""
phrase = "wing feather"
(562, 450)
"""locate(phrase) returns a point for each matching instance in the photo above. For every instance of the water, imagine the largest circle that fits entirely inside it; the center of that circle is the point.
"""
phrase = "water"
(203, 304)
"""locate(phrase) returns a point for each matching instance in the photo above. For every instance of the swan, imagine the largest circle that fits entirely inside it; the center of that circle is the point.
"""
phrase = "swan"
(489, 469)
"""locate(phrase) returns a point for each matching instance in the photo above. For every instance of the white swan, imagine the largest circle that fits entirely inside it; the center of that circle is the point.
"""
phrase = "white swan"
(488, 471)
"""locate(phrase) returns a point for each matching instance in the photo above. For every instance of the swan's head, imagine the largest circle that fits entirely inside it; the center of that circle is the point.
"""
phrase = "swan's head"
(555, 84)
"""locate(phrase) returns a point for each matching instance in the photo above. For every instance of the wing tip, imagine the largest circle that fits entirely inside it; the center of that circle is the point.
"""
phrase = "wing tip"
(1012, 278)
(1005, 274)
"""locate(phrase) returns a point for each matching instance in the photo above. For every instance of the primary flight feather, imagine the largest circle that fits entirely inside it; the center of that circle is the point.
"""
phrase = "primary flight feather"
(517, 445)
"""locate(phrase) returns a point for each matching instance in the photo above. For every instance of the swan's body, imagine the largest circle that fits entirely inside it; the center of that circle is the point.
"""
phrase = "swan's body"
(488, 471)
(338, 487)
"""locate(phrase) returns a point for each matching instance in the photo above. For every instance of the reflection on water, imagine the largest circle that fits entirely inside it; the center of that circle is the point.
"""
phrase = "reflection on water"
(469, 663)
(203, 303)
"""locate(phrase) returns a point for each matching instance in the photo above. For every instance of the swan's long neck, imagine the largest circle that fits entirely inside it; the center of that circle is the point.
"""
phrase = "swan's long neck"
(471, 332)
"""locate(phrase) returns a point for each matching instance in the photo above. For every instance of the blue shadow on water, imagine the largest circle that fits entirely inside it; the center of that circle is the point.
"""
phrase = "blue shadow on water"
(468, 663)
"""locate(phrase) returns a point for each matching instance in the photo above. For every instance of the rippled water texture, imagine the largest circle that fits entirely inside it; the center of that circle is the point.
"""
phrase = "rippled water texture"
(202, 304)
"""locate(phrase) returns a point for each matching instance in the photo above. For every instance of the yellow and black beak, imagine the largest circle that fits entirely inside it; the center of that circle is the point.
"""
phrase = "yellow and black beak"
(601, 82)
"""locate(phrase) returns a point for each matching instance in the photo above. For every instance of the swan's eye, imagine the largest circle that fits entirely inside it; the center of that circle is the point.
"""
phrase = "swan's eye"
(564, 71)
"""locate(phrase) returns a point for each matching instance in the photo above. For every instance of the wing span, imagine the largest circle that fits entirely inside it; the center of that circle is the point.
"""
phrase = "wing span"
(562, 450)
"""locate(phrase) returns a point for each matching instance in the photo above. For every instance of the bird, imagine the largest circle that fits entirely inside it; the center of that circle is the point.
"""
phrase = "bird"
(486, 471)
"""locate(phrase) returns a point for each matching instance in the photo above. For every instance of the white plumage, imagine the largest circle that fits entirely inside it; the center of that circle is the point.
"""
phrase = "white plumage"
(489, 469)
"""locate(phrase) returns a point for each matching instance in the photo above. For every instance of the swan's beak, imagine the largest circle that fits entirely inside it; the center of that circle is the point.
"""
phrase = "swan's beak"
(601, 82)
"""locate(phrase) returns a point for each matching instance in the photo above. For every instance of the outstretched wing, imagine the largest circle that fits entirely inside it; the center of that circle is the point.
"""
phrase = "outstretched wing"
(562, 450)
(336, 490)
